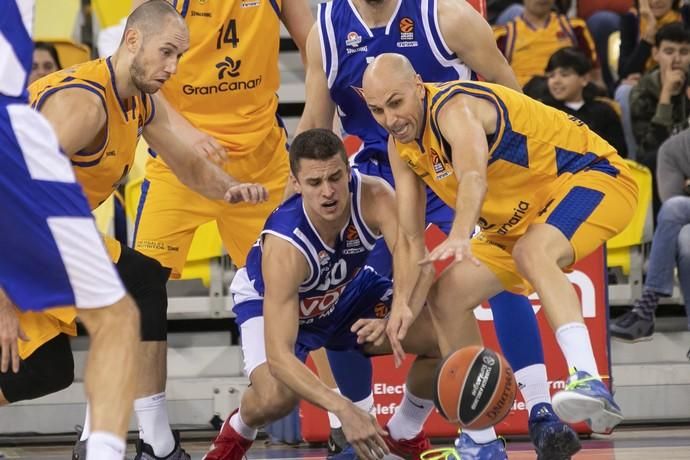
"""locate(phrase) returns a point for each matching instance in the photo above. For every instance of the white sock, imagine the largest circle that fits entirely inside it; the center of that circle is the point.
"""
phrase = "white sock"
(105, 446)
(154, 425)
(333, 420)
(242, 428)
(573, 338)
(410, 416)
(366, 404)
(87, 425)
(534, 385)
(481, 436)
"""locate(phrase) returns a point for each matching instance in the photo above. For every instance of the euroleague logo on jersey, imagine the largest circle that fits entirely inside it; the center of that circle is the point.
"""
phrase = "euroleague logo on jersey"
(438, 165)
(353, 244)
(228, 68)
(406, 27)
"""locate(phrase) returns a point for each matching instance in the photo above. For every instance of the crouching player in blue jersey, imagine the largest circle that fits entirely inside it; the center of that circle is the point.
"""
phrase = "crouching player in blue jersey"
(306, 285)
(444, 40)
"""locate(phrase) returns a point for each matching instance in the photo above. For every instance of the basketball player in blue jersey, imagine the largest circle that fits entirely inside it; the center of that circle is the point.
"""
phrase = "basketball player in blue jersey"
(52, 255)
(444, 40)
(306, 286)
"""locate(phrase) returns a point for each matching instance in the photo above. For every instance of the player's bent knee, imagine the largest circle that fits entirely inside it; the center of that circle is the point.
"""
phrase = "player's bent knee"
(275, 399)
(145, 279)
(120, 318)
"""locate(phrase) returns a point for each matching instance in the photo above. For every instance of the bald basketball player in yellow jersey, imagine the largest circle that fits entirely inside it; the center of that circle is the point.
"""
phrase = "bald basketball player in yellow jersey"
(99, 109)
(545, 189)
(226, 86)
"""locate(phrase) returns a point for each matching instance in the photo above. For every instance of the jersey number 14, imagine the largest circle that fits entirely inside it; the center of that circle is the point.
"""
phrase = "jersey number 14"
(228, 34)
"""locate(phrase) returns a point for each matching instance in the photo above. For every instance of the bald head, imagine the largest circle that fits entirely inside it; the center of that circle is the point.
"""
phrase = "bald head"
(394, 94)
(151, 16)
(388, 69)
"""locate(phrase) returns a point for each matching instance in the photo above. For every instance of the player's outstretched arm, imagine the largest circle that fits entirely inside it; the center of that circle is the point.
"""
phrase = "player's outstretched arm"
(77, 117)
(408, 250)
(298, 20)
(284, 268)
(469, 36)
(192, 169)
(319, 108)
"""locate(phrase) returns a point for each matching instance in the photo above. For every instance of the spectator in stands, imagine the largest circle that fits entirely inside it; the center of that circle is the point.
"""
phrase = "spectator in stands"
(603, 18)
(670, 245)
(500, 12)
(638, 30)
(529, 40)
(570, 90)
(46, 60)
(659, 103)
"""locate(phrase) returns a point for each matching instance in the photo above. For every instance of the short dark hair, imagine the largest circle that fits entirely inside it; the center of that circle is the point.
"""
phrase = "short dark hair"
(569, 58)
(150, 15)
(315, 144)
(674, 32)
(50, 48)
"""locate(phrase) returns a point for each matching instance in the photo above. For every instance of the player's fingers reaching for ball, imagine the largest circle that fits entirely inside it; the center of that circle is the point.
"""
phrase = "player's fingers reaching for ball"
(249, 193)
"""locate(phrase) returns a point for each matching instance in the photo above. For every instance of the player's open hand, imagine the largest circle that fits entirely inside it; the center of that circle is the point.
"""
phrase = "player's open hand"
(247, 192)
(457, 249)
(399, 321)
(370, 330)
(10, 331)
(208, 147)
(363, 433)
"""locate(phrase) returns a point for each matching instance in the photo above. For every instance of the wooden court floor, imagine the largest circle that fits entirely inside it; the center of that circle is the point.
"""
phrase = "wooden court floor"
(627, 443)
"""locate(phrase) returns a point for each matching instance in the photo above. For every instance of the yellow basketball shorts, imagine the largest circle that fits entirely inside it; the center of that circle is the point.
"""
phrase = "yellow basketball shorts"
(169, 212)
(43, 326)
(589, 208)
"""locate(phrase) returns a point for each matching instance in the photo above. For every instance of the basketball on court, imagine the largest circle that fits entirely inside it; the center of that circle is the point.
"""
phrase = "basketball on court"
(474, 387)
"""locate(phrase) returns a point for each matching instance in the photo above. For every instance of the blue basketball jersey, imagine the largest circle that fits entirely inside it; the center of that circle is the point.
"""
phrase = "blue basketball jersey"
(348, 46)
(332, 270)
(16, 48)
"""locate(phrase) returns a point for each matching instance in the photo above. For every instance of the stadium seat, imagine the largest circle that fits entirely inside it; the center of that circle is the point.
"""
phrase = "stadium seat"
(56, 20)
(69, 52)
(626, 251)
(109, 13)
(614, 47)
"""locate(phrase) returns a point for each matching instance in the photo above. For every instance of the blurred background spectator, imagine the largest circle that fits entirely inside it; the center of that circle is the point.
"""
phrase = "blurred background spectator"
(659, 103)
(569, 89)
(529, 40)
(45, 61)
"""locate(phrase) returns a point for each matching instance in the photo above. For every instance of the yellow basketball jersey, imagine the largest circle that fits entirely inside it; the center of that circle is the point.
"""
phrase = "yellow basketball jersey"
(101, 171)
(528, 48)
(534, 148)
(227, 81)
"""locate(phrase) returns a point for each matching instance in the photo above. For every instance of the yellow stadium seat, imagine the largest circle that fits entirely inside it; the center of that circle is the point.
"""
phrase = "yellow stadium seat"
(638, 231)
(56, 19)
(104, 216)
(109, 12)
(614, 48)
(69, 52)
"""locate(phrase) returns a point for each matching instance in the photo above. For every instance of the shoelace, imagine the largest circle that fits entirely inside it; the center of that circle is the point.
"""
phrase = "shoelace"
(582, 381)
(441, 453)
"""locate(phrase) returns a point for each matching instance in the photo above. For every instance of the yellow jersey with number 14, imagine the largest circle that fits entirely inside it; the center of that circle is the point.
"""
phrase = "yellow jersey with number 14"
(227, 81)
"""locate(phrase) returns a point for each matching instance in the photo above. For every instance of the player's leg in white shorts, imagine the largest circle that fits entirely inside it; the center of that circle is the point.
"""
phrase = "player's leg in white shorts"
(51, 252)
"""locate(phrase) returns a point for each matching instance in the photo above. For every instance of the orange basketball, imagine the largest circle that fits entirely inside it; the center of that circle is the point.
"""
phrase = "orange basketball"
(474, 387)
